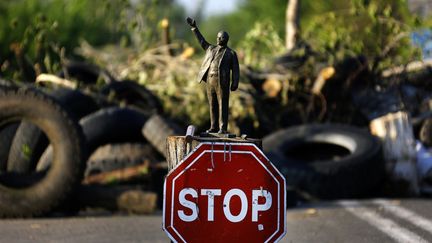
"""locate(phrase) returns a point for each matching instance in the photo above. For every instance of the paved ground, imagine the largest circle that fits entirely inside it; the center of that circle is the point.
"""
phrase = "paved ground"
(341, 221)
(367, 221)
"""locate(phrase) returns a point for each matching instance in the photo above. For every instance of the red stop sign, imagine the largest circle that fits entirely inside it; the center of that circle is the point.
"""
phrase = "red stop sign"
(225, 192)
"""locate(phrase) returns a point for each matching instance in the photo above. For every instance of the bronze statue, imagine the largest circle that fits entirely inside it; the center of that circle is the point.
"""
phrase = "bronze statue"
(219, 63)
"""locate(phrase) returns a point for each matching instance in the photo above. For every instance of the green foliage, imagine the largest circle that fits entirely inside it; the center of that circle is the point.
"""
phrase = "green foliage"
(38, 30)
(238, 23)
(257, 51)
(34, 33)
(331, 32)
(376, 29)
(140, 20)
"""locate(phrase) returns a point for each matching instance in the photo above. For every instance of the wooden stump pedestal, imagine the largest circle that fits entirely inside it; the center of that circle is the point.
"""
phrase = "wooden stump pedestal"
(178, 147)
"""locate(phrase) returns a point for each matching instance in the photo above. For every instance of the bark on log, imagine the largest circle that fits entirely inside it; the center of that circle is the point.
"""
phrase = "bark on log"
(178, 147)
(125, 174)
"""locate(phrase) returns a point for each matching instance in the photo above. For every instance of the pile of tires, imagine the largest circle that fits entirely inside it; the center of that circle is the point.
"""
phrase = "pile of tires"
(54, 138)
(327, 161)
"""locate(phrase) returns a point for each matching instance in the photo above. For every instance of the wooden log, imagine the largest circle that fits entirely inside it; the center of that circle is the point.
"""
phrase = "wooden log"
(395, 131)
(125, 174)
(178, 147)
(131, 199)
(416, 72)
(143, 199)
(411, 67)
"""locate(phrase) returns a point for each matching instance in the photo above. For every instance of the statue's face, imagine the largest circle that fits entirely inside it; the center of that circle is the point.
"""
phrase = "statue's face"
(222, 38)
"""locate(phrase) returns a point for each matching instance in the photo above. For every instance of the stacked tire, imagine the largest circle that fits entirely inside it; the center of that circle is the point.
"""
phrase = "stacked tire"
(327, 161)
(38, 192)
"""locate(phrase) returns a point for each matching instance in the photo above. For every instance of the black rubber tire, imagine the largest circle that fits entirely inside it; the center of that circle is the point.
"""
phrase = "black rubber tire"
(7, 134)
(327, 161)
(75, 102)
(38, 193)
(27, 146)
(132, 93)
(30, 142)
(113, 125)
(157, 129)
(86, 73)
(106, 126)
(425, 134)
(117, 156)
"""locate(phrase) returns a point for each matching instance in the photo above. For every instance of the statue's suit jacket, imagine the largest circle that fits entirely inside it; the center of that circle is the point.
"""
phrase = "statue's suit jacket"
(228, 62)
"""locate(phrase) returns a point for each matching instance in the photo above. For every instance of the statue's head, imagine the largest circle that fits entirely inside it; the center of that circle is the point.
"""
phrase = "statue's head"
(222, 38)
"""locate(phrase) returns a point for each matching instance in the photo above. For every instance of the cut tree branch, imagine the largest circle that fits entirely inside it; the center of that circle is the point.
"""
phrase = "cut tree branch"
(291, 24)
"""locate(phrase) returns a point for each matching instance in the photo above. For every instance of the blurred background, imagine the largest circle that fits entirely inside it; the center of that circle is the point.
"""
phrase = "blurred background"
(120, 36)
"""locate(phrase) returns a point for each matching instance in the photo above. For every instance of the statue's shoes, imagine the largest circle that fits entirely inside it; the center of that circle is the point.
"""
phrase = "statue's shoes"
(211, 130)
(222, 131)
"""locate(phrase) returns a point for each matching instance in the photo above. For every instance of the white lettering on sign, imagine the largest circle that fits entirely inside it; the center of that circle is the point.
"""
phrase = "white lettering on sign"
(256, 207)
(188, 204)
(226, 204)
(212, 193)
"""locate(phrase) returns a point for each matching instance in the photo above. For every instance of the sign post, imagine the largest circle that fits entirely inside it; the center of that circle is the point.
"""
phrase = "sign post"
(225, 192)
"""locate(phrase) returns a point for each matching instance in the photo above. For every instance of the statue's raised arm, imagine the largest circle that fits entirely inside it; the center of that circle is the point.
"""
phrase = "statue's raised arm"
(204, 44)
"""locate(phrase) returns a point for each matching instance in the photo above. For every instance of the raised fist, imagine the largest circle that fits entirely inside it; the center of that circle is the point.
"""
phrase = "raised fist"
(191, 21)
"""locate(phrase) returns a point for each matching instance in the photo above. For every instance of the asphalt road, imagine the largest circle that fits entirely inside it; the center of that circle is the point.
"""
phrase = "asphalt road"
(340, 221)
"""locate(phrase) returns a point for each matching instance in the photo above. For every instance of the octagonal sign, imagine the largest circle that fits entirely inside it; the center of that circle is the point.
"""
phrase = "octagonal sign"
(225, 192)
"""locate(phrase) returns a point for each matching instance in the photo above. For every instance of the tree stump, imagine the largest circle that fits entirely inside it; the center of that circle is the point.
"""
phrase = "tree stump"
(178, 147)
(396, 133)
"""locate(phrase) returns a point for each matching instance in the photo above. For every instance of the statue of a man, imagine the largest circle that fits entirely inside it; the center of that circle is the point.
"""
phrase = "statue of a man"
(220, 69)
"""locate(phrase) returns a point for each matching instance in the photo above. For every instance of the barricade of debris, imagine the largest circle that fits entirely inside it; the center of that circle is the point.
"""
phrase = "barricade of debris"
(90, 137)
